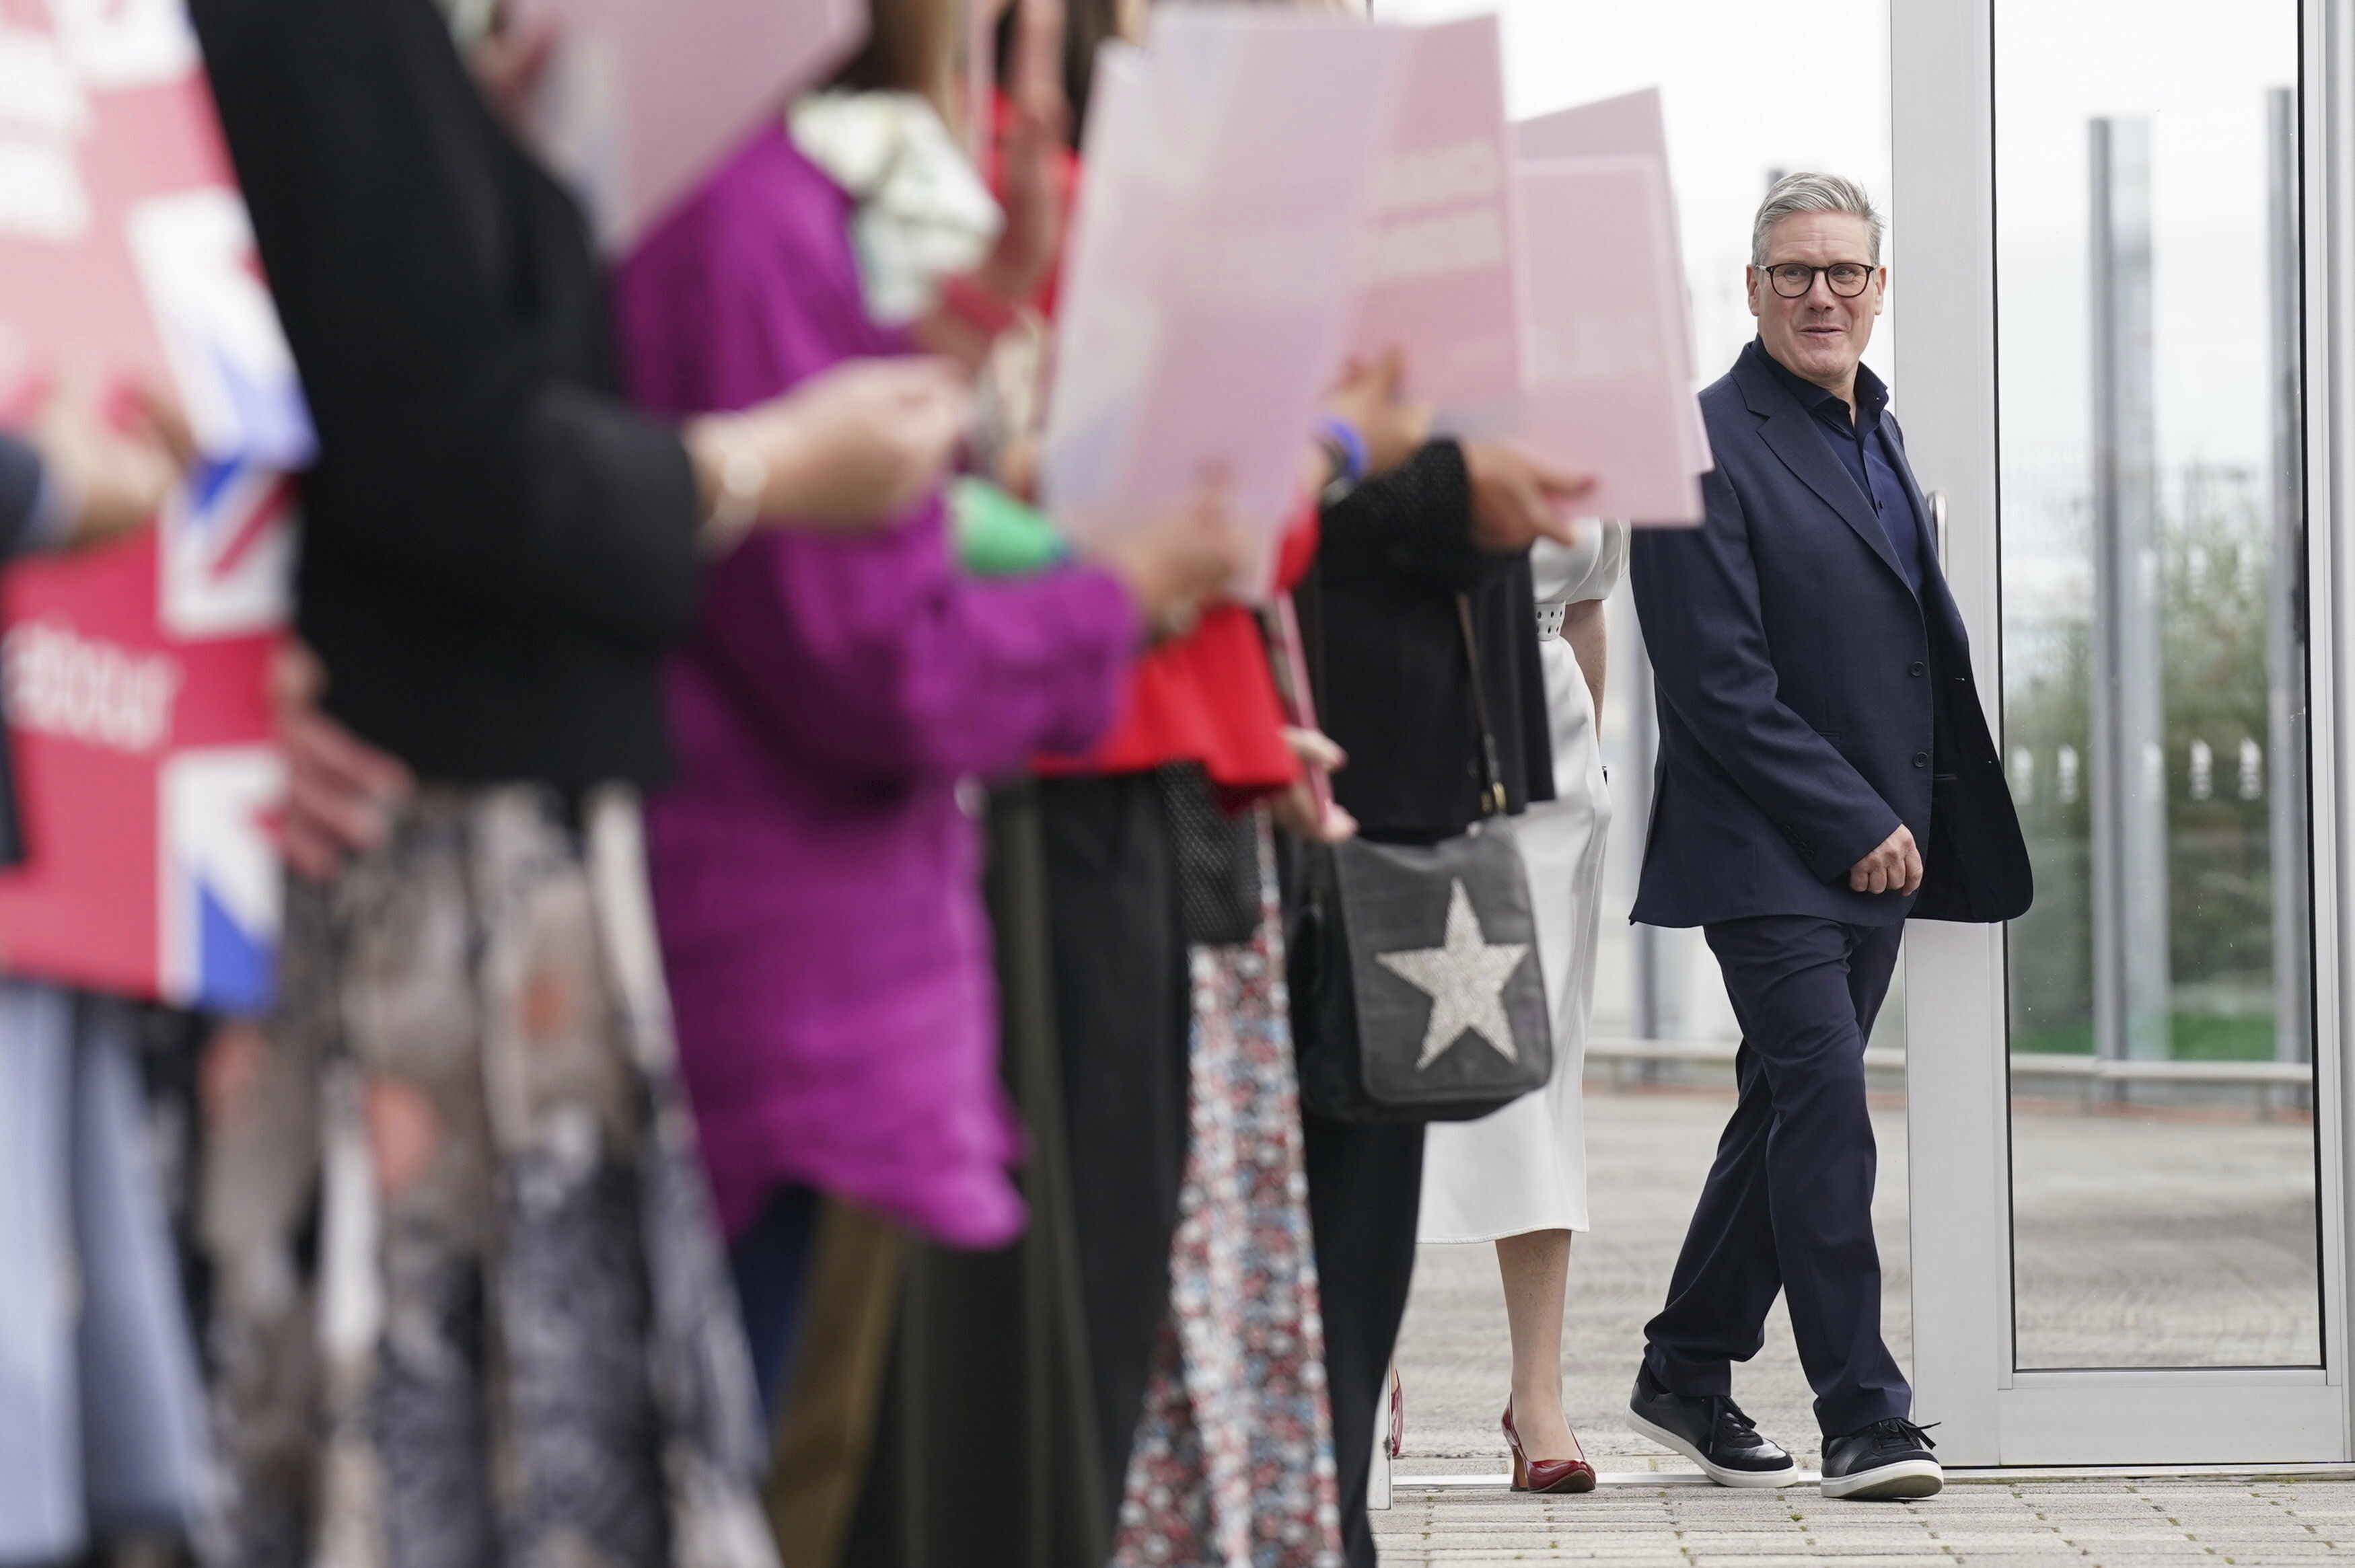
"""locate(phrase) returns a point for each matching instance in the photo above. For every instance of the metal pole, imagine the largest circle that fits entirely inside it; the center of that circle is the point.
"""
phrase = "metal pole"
(1650, 1016)
(2285, 794)
(2131, 978)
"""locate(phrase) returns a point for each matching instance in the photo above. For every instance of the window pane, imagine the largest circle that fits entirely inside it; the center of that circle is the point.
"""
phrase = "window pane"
(2163, 1161)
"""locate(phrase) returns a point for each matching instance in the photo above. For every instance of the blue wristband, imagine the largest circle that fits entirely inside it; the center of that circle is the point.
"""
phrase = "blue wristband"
(1350, 444)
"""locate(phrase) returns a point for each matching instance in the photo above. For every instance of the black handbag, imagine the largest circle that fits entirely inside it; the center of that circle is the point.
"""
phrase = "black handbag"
(1416, 994)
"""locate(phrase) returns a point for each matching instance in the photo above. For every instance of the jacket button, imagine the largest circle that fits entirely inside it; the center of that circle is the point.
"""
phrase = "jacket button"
(1921, 760)
(1917, 669)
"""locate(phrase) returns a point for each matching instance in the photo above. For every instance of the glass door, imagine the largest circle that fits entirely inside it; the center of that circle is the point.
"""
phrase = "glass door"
(2113, 358)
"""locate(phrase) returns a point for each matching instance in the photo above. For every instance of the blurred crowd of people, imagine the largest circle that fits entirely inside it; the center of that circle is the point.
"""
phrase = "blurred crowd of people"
(781, 1046)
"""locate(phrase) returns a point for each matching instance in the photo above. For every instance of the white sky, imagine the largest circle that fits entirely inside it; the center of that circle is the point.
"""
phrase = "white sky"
(2202, 86)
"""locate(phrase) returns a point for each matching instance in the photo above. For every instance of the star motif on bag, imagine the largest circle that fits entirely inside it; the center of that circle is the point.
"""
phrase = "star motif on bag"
(1465, 981)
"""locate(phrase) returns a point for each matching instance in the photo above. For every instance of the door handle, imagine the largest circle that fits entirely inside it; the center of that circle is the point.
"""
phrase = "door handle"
(1938, 525)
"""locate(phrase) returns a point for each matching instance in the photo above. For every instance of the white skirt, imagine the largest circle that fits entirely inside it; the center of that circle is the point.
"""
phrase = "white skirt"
(1524, 1168)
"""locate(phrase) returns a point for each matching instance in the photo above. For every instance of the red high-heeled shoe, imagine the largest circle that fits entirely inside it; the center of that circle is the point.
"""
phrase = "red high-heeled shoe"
(1545, 1475)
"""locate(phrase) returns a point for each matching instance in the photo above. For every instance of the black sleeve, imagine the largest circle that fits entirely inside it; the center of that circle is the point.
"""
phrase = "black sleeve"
(20, 491)
(1413, 522)
(449, 324)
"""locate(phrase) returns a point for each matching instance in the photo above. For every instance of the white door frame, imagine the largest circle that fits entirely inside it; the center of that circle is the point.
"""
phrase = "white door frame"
(1958, 1083)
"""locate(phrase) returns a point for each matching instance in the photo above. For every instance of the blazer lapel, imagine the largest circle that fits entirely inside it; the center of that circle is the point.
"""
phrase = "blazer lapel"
(1921, 502)
(1791, 432)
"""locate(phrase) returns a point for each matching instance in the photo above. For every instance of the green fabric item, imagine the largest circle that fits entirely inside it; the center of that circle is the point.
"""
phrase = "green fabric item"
(999, 536)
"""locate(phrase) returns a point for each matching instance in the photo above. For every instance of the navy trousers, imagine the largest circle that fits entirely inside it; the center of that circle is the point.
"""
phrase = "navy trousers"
(1789, 1205)
(772, 1265)
(1365, 1192)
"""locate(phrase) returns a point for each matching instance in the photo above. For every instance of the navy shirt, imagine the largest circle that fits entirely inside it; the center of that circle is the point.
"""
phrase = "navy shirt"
(1862, 447)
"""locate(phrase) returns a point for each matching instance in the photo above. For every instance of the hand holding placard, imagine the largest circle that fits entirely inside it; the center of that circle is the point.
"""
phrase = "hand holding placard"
(1179, 559)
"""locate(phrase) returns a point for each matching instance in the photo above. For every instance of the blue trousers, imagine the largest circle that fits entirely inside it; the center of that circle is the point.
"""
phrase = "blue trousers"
(102, 1410)
(1788, 1204)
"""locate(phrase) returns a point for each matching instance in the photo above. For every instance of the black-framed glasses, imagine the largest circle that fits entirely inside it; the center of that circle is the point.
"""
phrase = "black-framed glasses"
(1792, 279)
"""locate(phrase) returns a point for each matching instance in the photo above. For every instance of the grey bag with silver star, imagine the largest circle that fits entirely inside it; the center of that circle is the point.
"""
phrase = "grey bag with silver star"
(1416, 994)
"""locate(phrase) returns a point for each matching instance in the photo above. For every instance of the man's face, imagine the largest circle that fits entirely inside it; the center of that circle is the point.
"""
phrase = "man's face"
(1818, 336)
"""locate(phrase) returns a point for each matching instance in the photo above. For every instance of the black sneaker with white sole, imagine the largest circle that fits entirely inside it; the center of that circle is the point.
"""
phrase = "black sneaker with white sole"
(1710, 1430)
(1888, 1461)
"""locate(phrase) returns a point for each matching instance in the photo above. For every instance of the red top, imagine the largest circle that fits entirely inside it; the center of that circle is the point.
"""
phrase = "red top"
(1209, 697)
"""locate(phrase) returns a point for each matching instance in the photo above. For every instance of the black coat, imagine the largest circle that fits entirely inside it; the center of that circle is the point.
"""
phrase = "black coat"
(496, 548)
(1393, 683)
(20, 491)
(1809, 701)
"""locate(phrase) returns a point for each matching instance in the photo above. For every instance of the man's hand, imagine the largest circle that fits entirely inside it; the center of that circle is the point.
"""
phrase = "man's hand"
(853, 448)
(1301, 808)
(113, 466)
(341, 792)
(1371, 401)
(1517, 499)
(1894, 867)
(1173, 564)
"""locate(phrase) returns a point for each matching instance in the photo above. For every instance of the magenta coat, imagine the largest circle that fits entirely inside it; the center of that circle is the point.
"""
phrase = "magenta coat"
(815, 862)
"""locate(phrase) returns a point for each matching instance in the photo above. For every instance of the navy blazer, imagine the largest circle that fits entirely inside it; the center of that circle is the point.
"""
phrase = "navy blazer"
(1809, 700)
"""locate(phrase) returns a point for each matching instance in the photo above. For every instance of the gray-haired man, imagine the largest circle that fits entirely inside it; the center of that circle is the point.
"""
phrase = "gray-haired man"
(1825, 772)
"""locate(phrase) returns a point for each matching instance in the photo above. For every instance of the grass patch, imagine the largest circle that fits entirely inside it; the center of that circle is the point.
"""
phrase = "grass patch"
(2196, 1036)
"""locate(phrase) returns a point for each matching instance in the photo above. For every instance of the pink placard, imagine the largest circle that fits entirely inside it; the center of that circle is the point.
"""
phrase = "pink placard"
(1606, 392)
(1630, 126)
(644, 98)
(1437, 272)
(1204, 296)
(136, 675)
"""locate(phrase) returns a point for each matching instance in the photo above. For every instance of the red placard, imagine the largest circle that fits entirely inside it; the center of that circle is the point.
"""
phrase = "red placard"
(134, 678)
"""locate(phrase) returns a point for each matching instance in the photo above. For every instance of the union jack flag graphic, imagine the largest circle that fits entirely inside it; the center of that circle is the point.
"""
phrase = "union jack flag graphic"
(228, 550)
(218, 891)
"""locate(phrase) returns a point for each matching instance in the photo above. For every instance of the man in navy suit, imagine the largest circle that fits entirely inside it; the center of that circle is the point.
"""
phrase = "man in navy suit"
(1825, 772)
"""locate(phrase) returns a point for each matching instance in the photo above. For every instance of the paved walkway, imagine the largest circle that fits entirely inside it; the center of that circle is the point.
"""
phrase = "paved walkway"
(2085, 1524)
(1647, 1153)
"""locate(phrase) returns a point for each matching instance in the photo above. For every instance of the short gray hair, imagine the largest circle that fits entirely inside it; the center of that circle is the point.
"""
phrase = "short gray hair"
(1813, 193)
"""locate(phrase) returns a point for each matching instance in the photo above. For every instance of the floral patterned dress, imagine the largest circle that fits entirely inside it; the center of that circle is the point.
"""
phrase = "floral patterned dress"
(470, 1309)
(1233, 1462)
